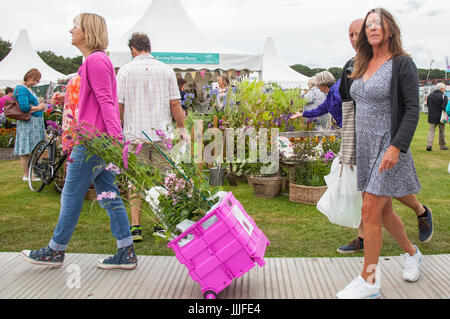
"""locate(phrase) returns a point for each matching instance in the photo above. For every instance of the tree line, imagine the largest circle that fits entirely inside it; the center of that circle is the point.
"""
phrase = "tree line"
(337, 72)
(70, 65)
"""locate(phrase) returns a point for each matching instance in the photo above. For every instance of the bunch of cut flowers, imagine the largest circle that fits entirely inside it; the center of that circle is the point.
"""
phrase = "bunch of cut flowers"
(169, 198)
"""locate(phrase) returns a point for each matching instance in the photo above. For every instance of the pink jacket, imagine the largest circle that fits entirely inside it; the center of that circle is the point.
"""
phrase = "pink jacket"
(98, 103)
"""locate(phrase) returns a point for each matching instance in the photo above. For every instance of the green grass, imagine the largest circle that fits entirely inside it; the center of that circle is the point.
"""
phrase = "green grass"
(27, 219)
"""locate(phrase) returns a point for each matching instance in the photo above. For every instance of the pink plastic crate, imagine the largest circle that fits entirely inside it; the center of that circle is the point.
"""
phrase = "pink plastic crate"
(223, 245)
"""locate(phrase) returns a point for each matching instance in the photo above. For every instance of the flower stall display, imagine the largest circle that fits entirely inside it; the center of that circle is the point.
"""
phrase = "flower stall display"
(312, 162)
(7, 140)
(7, 137)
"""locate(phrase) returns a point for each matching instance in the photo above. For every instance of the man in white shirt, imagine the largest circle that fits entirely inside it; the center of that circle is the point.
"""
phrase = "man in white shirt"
(148, 99)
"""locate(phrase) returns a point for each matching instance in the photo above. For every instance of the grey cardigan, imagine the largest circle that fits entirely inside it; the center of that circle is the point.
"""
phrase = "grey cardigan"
(405, 102)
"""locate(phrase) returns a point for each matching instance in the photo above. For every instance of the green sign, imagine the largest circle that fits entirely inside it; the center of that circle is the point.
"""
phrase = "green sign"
(187, 58)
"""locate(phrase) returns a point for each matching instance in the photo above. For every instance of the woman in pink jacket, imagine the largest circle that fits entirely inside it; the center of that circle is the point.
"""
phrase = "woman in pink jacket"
(98, 105)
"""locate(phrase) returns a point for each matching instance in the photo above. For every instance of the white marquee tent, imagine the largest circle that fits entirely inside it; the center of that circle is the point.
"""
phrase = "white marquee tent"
(22, 58)
(275, 69)
(176, 40)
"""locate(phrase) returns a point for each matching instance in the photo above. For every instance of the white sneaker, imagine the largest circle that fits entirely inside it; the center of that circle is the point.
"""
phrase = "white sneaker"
(359, 289)
(411, 271)
(34, 179)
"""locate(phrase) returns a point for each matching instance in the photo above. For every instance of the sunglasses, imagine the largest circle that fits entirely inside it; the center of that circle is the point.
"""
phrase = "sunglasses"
(376, 24)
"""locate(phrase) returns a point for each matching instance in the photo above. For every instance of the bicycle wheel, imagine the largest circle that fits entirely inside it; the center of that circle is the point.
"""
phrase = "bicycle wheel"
(39, 167)
(60, 174)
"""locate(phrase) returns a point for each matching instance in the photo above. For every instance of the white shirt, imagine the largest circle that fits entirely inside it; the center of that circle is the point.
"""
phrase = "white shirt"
(145, 87)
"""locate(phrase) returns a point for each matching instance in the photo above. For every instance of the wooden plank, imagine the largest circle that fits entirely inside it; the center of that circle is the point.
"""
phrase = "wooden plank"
(162, 277)
(297, 286)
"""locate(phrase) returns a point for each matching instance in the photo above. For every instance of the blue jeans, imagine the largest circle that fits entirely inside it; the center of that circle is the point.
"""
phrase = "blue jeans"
(79, 177)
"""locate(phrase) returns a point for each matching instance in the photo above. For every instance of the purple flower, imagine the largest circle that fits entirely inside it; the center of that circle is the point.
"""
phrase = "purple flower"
(106, 195)
(328, 156)
(53, 125)
(159, 133)
(125, 154)
(113, 168)
(139, 148)
(70, 116)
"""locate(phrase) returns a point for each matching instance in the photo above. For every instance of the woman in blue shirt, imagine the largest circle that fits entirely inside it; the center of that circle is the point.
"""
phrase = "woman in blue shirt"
(29, 133)
(333, 104)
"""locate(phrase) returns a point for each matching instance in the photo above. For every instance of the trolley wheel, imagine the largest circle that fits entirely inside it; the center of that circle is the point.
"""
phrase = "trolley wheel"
(209, 294)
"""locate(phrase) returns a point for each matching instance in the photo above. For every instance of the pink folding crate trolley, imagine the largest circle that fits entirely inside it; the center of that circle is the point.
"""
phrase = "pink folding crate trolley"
(223, 245)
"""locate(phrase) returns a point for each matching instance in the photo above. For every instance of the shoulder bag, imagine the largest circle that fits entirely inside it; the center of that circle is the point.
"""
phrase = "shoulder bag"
(13, 111)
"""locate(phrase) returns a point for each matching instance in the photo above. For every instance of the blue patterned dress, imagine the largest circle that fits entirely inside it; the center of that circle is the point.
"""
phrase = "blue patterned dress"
(29, 133)
(373, 136)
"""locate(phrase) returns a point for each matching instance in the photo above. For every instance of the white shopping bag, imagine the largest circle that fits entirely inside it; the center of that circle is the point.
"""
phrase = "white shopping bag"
(341, 203)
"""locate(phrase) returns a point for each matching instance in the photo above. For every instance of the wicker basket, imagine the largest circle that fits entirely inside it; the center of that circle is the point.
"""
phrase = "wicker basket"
(249, 180)
(305, 194)
(266, 187)
(7, 154)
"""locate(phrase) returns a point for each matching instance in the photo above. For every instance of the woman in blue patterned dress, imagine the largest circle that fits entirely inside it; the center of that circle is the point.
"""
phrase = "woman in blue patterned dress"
(385, 90)
(29, 133)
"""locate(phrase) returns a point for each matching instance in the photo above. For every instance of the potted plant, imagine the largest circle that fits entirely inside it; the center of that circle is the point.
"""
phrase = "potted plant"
(7, 140)
(313, 164)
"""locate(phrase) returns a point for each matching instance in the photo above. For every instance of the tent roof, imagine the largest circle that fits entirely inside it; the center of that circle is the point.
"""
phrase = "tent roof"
(170, 29)
(275, 69)
(22, 58)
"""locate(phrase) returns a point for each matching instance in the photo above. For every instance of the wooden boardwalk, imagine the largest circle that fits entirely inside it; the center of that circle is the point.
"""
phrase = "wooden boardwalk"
(162, 277)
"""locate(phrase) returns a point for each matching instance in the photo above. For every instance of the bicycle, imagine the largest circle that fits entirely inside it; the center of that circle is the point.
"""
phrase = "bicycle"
(45, 162)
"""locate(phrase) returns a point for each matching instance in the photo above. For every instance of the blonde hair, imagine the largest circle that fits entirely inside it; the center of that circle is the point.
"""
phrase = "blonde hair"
(95, 29)
(325, 78)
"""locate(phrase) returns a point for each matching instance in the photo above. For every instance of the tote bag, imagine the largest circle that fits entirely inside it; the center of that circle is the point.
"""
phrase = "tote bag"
(341, 202)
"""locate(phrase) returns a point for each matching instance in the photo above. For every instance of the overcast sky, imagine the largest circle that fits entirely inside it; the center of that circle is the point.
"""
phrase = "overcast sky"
(309, 32)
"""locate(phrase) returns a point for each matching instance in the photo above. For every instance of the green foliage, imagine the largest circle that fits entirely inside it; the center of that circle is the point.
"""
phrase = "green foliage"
(5, 47)
(183, 201)
(434, 74)
(314, 158)
(60, 63)
(337, 72)
(312, 173)
(7, 137)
